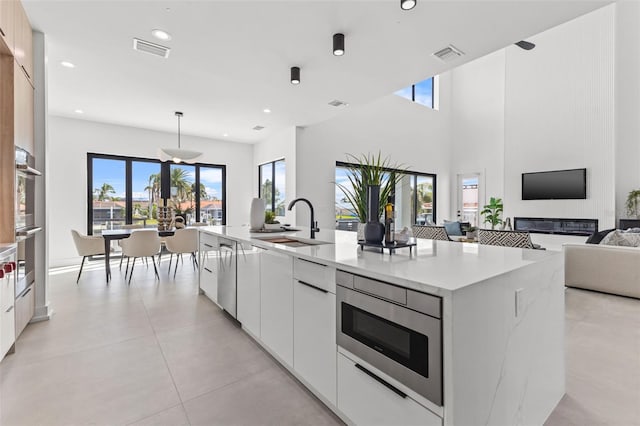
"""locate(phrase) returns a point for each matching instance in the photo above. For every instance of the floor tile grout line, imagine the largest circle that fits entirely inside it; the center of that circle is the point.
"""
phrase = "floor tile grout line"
(156, 413)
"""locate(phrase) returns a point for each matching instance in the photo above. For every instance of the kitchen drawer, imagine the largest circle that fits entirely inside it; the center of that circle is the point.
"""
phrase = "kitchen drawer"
(208, 241)
(25, 308)
(318, 275)
(7, 330)
(366, 401)
(7, 292)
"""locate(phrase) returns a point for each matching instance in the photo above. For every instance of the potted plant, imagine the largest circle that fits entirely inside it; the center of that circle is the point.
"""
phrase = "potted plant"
(270, 221)
(365, 170)
(633, 204)
(492, 212)
(472, 232)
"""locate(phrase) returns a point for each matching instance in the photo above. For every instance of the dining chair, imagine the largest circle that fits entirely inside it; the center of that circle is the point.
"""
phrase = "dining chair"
(142, 243)
(87, 245)
(430, 232)
(183, 241)
(127, 226)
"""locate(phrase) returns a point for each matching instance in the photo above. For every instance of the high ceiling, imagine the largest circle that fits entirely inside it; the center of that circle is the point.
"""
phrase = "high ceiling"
(230, 60)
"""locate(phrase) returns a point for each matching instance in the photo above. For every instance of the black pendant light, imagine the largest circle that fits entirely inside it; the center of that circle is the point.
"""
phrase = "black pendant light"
(408, 4)
(295, 75)
(338, 44)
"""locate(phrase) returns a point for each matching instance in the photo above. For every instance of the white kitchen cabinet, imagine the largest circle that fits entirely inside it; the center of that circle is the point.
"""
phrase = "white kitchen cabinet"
(249, 287)
(276, 304)
(7, 312)
(209, 265)
(366, 401)
(314, 337)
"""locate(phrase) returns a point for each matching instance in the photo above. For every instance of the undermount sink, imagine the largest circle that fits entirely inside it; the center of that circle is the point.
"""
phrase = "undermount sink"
(273, 230)
(291, 242)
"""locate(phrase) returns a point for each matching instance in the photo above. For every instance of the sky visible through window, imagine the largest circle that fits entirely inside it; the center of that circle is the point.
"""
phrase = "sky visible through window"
(423, 93)
(112, 172)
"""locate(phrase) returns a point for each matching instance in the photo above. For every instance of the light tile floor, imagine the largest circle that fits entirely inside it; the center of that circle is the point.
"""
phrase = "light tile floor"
(157, 353)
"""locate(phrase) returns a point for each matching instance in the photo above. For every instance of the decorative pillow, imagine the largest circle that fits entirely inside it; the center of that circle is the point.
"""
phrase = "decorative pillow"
(632, 230)
(453, 228)
(596, 237)
(619, 238)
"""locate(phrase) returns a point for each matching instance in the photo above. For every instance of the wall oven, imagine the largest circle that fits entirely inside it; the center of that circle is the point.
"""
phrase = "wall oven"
(25, 218)
(396, 330)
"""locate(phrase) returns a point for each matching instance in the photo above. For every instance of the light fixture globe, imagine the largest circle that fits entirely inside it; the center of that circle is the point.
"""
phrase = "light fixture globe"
(408, 4)
(178, 155)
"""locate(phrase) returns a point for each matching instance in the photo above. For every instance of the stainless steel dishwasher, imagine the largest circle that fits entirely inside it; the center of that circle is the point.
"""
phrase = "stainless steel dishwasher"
(227, 273)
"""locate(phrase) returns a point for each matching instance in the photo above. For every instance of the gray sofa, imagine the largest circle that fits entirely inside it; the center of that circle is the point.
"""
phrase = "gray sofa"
(609, 269)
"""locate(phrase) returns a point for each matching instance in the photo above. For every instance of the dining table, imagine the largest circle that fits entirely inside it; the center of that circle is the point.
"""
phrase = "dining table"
(120, 234)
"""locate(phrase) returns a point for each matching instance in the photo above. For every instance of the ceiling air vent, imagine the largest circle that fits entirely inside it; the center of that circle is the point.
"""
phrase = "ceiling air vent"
(337, 103)
(152, 48)
(258, 128)
(449, 53)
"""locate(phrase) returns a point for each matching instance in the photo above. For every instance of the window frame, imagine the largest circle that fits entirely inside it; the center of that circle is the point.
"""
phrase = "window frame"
(414, 177)
(165, 184)
(273, 181)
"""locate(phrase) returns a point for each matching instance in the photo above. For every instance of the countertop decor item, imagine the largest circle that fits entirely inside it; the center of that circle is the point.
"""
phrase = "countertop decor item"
(391, 246)
(257, 213)
(178, 155)
(374, 229)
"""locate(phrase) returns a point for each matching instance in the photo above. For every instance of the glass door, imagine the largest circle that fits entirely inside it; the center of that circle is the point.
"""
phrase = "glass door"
(468, 198)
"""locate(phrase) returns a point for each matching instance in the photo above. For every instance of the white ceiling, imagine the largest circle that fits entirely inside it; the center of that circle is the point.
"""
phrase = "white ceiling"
(230, 59)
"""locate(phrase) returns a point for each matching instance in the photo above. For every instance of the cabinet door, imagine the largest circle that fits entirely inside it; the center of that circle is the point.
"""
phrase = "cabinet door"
(276, 304)
(366, 401)
(7, 22)
(23, 51)
(23, 118)
(209, 258)
(249, 288)
(25, 308)
(314, 337)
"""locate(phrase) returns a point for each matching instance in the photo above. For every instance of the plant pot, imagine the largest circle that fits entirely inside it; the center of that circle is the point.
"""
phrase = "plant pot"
(471, 235)
(374, 232)
(272, 226)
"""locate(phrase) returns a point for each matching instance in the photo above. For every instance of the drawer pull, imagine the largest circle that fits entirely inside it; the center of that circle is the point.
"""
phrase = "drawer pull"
(27, 292)
(313, 287)
(208, 270)
(9, 310)
(208, 245)
(314, 263)
(381, 381)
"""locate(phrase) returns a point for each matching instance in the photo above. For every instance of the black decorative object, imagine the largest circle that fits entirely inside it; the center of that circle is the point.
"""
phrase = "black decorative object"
(373, 230)
(391, 246)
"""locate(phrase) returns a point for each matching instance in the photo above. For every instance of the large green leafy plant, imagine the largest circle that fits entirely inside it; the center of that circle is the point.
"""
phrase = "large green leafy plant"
(633, 203)
(492, 212)
(365, 170)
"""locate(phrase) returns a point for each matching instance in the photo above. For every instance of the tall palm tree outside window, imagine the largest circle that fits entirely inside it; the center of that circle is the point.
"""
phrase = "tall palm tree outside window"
(125, 190)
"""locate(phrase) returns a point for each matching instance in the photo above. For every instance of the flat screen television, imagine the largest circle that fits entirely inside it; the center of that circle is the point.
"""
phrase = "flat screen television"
(555, 185)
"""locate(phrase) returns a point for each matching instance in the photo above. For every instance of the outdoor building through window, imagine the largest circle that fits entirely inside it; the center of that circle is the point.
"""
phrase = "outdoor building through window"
(414, 198)
(421, 93)
(272, 186)
(126, 190)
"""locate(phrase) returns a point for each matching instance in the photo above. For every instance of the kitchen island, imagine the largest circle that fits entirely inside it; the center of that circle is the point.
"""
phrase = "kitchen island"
(495, 315)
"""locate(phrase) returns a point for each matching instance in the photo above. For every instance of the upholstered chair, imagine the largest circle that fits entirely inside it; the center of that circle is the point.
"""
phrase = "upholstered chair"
(141, 243)
(87, 245)
(183, 241)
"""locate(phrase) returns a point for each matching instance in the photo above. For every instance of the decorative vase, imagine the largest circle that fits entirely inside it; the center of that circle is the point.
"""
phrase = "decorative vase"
(360, 230)
(257, 214)
(373, 230)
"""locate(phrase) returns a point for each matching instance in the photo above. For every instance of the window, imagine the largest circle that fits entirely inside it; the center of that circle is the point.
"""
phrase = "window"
(125, 190)
(421, 93)
(414, 199)
(272, 186)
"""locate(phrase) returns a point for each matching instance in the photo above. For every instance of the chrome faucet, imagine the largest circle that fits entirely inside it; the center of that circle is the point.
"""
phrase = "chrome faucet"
(314, 224)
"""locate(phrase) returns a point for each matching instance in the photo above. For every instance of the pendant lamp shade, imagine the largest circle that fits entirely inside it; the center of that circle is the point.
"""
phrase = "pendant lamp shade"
(178, 155)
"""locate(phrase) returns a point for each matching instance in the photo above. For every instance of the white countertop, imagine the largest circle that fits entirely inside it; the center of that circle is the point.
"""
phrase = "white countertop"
(438, 267)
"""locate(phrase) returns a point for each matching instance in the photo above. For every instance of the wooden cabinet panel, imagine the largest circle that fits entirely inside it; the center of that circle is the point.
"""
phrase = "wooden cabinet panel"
(7, 151)
(23, 115)
(23, 51)
(276, 304)
(314, 338)
(7, 22)
(25, 308)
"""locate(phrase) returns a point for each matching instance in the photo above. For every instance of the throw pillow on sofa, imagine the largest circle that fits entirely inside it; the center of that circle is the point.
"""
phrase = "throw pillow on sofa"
(596, 237)
(619, 238)
(453, 228)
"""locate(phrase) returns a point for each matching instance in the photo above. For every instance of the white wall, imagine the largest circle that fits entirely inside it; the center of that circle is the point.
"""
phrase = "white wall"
(627, 105)
(549, 108)
(68, 144)
(411, 134)
(276, 147)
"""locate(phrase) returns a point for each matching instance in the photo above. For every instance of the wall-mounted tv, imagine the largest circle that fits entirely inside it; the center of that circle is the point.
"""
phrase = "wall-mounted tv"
(555, 185)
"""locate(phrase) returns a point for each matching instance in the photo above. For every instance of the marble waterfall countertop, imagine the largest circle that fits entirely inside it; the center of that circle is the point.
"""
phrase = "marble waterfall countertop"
(437, 267)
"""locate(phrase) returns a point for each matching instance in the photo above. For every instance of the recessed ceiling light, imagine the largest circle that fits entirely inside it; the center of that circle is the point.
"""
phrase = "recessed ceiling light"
(67, 64)
(225, 135)
(407, 4)
(78, 111)
(266, 110)
(161, 35)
